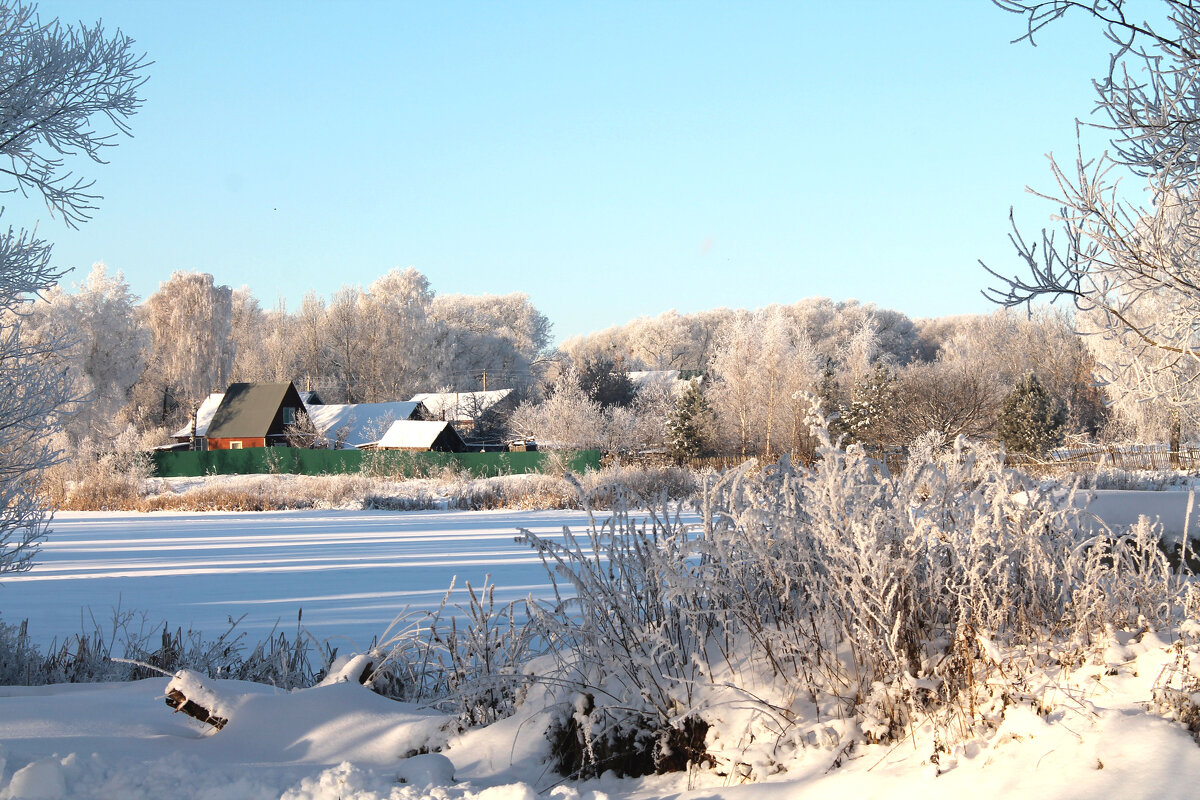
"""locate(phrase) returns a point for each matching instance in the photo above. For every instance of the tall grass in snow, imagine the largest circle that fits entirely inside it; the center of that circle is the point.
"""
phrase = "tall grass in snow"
(838, 593)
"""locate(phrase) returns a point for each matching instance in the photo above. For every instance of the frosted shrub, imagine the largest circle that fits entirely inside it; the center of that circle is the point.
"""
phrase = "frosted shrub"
(101, 474)
(467, 663)
(630, 633)
(837, 592)
(861, 585)
(128, 647)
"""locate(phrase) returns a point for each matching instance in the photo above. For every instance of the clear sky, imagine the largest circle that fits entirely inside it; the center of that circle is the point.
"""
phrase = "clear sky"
(612, 160)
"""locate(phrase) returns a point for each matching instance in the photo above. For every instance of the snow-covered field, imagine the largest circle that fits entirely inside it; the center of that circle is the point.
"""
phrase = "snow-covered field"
(352, 572)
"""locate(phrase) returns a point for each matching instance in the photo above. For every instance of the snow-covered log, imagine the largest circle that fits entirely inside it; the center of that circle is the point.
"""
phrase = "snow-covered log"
(187, 693)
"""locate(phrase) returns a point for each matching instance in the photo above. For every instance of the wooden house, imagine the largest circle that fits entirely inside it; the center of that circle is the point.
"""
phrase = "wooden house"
(203, 418)
(472, 413)
(254, 415)
(420, 435)
(345, 426)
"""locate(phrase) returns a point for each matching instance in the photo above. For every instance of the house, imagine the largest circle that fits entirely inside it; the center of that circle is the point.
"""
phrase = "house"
(671, 381)
(253, 415)
(346, 426)
(420, 435)
(204, 415)
(311, 398)
(471, 412)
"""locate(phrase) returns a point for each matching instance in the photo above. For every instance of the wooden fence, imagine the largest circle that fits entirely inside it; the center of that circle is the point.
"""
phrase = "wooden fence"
(1122, 457)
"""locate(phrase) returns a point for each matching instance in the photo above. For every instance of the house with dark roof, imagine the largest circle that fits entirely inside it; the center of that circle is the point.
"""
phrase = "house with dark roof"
(254, 415)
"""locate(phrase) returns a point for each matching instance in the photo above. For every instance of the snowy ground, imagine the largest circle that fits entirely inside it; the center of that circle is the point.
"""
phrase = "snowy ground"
(342, 742)
(352, 572)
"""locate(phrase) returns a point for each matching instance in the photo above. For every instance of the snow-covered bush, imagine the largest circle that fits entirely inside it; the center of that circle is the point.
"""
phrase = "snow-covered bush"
(838, 592)
(631, 635)
(101, 473)
(465, 659)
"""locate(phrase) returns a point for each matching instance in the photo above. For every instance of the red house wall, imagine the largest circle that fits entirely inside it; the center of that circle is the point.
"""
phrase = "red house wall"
(248, 441)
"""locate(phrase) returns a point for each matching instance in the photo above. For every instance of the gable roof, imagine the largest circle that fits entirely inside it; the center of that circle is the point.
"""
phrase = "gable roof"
(249, 409)
(365, 421)
(204, 416)
(460, 406)
(410, 434)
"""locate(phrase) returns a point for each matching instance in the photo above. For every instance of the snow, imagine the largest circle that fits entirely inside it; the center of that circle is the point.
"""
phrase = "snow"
(411, 434)
(364, 422)
(342, 741)
(204, 415)
(1177, 511)
(350, 570)
(460, 406)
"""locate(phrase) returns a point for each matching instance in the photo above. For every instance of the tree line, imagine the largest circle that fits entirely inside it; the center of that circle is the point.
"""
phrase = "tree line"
(150, 364)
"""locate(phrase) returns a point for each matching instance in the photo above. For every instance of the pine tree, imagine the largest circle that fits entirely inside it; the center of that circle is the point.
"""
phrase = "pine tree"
(685, 427)
(1031, 421)
(870, 401)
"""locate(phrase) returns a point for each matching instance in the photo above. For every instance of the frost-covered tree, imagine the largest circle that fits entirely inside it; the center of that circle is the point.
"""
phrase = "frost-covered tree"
(394, 336)
(257, 336)
(493, 339)
(343, 333)
(1031, 421)
(106, 354)
(65, 93)
(690, 419)
(865, 418)
(190, 319)
(310, 343)
(1118, 251)
(738, 390)
(566, 419)
(763, 364)
(1156, 392)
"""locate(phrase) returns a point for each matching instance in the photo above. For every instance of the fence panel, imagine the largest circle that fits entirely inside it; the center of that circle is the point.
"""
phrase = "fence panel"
(389, 463)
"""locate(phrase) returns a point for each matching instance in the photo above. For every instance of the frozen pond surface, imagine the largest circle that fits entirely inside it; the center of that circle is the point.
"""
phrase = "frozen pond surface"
(351, 572)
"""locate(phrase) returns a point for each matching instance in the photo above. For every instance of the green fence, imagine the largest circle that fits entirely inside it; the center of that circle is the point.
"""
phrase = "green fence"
(391, 463)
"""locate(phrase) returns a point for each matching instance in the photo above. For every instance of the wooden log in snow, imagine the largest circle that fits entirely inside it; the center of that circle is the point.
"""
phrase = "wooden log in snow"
(177, 701)
(186, 693)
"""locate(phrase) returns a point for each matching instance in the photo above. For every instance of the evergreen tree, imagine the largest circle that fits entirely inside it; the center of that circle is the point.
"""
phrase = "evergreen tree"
(1031, 421)
(606, 381)
(685, 428)
(870, 401)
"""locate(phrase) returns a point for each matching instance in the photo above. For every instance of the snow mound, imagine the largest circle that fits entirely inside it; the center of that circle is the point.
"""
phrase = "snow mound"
(430, 769)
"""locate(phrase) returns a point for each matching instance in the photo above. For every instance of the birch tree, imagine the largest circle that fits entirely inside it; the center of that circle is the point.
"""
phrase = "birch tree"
(65, 94)
(1117, 256)
(190, 319)
(105, 354)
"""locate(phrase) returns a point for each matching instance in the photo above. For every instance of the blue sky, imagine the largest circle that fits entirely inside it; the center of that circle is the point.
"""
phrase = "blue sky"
(611, 160)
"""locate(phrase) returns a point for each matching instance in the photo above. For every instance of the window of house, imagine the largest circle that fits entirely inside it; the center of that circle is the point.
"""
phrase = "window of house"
(289, 416)
(235, 445)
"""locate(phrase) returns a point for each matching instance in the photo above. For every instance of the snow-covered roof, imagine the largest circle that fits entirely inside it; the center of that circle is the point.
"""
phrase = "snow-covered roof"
(672, 379)
(642, 377)
(203, 416)
(416, 435)
(364, 421)
(460, 406)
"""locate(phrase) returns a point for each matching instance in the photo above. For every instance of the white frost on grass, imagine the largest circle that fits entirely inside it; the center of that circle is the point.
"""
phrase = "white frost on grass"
(108, 741)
